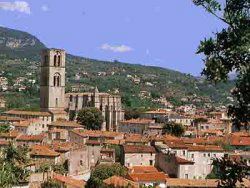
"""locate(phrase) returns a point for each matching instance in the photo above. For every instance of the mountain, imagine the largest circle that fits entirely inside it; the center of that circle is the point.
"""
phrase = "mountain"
(19, 56)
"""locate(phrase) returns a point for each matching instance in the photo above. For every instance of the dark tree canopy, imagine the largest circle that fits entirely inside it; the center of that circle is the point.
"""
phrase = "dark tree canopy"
(229, 51)
(104, 171)
(91, 118)
(12, 162)
(174, 129)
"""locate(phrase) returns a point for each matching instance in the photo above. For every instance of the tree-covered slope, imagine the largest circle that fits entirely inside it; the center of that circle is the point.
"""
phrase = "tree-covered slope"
(19, 56)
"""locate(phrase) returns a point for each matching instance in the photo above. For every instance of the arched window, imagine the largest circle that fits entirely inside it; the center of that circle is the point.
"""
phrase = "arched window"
(55, 60)
(57, 79)
(59, 61)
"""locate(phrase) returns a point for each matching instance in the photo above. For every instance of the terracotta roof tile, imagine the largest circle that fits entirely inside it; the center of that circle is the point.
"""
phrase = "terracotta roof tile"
(92, 133)
(72, 124)
(138, 149)
(142, 169)
(176, 182)
(148, 177)
(25, 137)
(11, 134)
(139, 121)
(69, 181)
(118, 181)
(206, 148)
(40, 150)
(180, 160)
(19, 112)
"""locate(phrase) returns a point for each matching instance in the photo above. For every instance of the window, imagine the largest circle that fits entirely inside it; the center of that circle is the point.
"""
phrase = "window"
(81, 163)
(186, 176)
(150, 162)
(192, 155)
(59, 61)
(208, 154)
(141, 155)
(204, 155)
(71, 98)
(183, 152)
(55, 60)
(56, 102)
(57, 79)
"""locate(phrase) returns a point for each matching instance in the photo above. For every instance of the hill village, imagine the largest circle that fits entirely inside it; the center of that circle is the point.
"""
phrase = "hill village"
(62, 150)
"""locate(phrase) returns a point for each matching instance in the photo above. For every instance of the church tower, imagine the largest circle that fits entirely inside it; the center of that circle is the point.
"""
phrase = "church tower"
(52, 83)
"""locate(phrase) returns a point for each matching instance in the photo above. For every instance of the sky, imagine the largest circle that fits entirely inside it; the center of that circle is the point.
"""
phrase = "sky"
(163, 33)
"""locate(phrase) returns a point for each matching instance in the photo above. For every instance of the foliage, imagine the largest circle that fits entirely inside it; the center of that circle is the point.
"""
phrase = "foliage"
(91, 118)
(104, 171)
(117, 152)
(12, 164)
(230, 171)
(4, 128)
(51, 184)
(229, 51)
(133, 113)
(173, 128)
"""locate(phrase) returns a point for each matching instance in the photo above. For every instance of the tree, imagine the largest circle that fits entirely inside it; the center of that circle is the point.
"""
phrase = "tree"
(91, 118)
(51, 184)
(228, 51)
(230, 171)
(4, 128)
(104, 171)
(173, 128)
(12, 162)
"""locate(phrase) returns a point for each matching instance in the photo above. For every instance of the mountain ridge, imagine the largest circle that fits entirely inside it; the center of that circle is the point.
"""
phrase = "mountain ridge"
(20, 50)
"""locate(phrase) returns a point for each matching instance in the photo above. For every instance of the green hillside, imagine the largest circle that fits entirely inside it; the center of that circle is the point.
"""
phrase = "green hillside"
(19, 56)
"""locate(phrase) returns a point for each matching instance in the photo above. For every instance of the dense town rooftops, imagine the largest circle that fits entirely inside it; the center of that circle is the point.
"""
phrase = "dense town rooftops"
(239, 140)
(138, 149)
(159, 111)
(40, 150)
(118, 181)
(28, 113)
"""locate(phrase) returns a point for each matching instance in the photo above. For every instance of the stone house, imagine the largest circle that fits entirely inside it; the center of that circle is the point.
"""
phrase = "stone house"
(138, 155)
(31, 127)
(30, 140)
(44, 154)
(187, 161)
(139, 126)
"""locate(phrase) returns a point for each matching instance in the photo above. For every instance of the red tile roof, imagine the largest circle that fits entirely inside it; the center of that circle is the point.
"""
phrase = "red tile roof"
(142, 169)
(148, 177)
(118, 181)
(29, 113)
(24, 137)
(176, 182)
(206, 148)
(40, 150)
(71, 124)
(239, 140)
(180, 160)
(138, 149)
(11, 134)
(69, 181)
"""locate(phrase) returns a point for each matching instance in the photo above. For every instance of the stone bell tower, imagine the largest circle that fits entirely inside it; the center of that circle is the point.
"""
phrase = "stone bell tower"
(52, 83)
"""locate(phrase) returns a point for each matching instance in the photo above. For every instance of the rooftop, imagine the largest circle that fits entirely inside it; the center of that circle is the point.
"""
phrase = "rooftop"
(69, 181)
(29, 113)
(41, 150)
(138, 149)
(118, 181)
(62, 123)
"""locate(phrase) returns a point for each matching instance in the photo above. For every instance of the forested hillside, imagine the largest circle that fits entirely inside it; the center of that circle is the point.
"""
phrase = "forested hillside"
(139, 85)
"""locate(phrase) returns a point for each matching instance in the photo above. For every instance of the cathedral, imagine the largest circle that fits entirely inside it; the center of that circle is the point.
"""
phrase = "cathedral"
(54, 100)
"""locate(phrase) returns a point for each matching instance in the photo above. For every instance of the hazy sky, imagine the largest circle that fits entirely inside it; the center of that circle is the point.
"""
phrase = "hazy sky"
(163, 33)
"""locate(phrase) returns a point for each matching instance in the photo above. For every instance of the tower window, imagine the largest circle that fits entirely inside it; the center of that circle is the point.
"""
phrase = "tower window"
(56, 102)
(57, 79)
(55, 60)
(59, 61)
